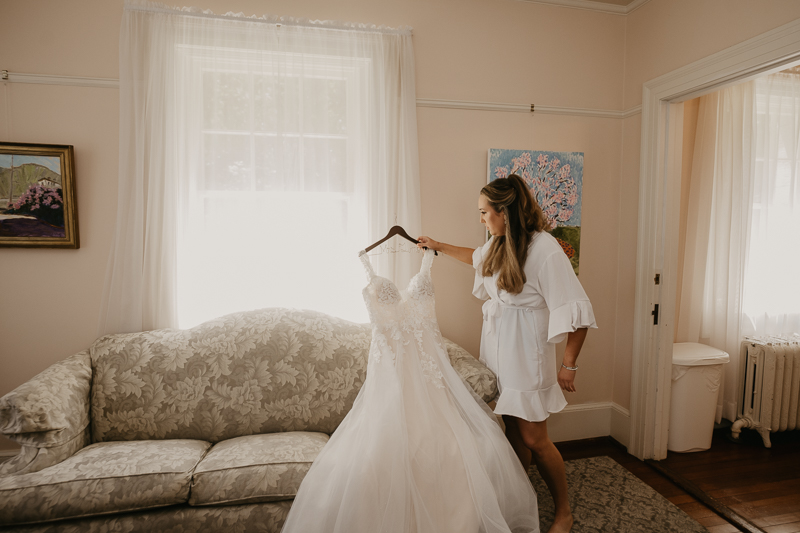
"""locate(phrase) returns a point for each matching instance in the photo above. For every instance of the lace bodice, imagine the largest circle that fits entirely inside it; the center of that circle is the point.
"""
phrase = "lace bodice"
(387, 305)
(401, 316)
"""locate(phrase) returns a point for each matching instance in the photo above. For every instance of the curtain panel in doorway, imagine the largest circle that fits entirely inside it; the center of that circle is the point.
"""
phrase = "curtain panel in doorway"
(741, 259)
(717, 230)
(771, 304)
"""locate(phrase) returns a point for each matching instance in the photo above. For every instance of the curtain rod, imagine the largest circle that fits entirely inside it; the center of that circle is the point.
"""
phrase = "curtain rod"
(271, 20)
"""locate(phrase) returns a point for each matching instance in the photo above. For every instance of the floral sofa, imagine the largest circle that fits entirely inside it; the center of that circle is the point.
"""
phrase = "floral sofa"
(207, 429)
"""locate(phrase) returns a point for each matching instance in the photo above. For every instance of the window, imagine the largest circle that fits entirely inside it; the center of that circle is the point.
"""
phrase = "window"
(772, 287)
(257, 156)
(270, 209)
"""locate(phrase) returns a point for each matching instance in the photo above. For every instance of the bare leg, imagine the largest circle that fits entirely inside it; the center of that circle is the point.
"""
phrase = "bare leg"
(551, 467)
(515, 438)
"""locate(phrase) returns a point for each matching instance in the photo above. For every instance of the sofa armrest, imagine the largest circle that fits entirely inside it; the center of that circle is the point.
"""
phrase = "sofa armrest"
(48, 415)
(476, 374)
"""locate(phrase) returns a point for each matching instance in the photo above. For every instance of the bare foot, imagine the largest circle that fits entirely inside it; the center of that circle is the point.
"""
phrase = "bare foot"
(562, 524)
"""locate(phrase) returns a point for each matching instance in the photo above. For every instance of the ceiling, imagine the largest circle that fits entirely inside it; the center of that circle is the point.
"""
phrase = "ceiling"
(618, 7)
(615, 2)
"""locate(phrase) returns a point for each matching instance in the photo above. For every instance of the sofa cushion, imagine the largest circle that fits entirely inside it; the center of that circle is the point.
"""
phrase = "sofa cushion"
(255, 468)
(103, 478)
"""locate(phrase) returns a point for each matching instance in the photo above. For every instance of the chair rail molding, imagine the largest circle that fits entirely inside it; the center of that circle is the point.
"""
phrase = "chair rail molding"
(657, 241)
(112, 83)
(50, 79)
(527, 108)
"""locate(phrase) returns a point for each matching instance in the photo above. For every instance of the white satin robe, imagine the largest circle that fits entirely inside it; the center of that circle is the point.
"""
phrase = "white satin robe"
(520, 331)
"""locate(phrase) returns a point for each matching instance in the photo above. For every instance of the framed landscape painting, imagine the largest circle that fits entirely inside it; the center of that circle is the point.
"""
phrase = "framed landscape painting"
(37, 196)
(556, 181)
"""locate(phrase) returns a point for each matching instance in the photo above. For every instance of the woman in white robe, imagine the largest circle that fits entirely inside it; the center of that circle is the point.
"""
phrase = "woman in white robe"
(533, 302)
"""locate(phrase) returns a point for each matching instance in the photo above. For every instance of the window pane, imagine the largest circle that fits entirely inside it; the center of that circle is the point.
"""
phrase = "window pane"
(272, 194)
(325, 166)
(227, 162)
(324, 106)
(276, 104)
(226, 101)
(277, 161)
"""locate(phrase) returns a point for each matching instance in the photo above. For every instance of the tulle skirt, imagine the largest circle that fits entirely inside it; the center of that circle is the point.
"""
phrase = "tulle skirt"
(419, 452)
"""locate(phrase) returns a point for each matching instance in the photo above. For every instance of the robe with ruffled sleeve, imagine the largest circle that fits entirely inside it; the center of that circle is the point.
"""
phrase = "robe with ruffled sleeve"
(520, 331)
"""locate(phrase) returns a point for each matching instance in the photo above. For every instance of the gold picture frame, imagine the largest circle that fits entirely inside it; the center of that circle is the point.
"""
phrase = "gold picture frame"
(38, 203)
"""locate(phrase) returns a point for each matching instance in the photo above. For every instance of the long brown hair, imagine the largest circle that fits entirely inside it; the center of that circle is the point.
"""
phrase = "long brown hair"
(524, 217)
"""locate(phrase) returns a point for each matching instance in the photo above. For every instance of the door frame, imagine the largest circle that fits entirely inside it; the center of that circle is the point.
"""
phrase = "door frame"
(659, 207)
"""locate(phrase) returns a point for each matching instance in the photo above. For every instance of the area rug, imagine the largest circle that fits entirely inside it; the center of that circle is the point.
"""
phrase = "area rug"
(606, 498)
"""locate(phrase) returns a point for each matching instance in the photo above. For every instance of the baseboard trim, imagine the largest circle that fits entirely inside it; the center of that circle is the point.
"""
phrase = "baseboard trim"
(590, 420)
(620, 424)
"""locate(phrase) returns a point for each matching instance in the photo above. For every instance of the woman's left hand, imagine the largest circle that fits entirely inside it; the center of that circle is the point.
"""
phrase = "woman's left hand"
(566, 379)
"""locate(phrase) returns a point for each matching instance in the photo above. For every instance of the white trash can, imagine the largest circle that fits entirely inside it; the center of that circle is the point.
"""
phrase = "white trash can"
(696, 376)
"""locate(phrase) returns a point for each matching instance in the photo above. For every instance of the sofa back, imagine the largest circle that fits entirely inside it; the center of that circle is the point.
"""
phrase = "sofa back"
(255, 372)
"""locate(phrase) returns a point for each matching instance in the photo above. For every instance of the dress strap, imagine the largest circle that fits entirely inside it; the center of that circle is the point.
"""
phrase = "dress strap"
(427, 261)
(367, 265)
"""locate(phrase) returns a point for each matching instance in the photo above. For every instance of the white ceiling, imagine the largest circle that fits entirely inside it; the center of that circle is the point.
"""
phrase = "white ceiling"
(615, 2)
(617, 7)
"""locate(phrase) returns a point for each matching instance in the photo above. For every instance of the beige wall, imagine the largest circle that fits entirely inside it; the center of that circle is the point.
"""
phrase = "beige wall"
(662, 36)
(479, 50)
(50, 298)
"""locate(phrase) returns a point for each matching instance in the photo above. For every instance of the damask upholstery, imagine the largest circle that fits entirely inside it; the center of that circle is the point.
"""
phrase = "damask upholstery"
(252, 518)
(242, 374)
(473, 372)
(103, 478)
(217, 424)
(255, 468)
(48, 415)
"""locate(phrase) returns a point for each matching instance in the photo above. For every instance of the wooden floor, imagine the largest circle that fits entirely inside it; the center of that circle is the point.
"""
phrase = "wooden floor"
(761, 485)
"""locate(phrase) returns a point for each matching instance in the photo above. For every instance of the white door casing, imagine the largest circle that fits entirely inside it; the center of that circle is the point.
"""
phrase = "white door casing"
(659, 207)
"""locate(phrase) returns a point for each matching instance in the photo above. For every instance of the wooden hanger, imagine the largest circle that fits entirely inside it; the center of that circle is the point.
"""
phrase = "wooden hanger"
(395, 230)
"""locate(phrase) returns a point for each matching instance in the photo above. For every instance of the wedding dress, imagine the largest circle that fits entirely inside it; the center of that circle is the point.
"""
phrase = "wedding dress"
(419, 452)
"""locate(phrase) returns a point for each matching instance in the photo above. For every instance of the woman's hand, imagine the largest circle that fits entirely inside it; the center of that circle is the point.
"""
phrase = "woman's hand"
(566, 379)
(427, 242)
(457, 252)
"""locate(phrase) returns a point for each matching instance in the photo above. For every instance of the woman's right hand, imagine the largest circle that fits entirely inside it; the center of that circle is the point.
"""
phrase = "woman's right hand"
(427, 242)
(462, 254)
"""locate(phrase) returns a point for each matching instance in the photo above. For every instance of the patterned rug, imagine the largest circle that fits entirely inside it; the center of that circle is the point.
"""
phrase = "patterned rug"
(606, 498)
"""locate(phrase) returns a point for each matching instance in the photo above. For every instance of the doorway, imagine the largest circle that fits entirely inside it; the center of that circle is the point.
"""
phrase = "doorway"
(659, 207)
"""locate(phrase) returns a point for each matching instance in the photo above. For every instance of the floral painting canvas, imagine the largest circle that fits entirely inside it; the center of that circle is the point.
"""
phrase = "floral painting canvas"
(37, 199)
(556, 181)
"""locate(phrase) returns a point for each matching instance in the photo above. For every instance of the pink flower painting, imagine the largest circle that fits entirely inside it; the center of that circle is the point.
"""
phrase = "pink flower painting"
(555, 180)
(551, 183)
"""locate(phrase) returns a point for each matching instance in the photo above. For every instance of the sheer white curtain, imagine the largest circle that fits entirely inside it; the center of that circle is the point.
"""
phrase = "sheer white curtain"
(257, 156)
(720, 199)
(741, 261)
(772, 286)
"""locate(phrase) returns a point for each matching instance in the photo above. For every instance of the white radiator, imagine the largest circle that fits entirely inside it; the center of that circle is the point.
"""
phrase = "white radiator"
(771, 386)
